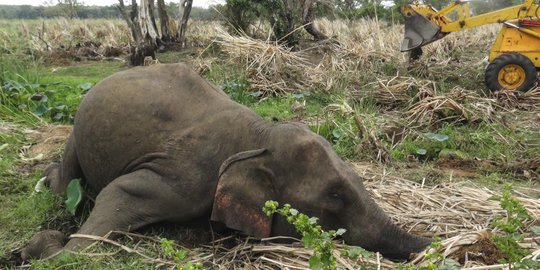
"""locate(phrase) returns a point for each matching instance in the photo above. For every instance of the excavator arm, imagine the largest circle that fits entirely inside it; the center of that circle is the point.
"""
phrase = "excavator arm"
(424, 24)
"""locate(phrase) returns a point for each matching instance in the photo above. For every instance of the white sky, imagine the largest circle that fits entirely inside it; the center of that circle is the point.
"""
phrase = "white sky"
(196, 3)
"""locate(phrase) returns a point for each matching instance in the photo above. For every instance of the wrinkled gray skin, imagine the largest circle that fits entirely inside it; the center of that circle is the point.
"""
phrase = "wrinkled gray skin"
(161, 144)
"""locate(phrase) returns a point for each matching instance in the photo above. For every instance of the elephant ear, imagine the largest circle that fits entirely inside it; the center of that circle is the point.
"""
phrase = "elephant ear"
(244, 186)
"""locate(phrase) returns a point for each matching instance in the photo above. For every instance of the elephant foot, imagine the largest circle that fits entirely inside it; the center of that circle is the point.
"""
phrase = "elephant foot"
(43, 245)
(52, 177)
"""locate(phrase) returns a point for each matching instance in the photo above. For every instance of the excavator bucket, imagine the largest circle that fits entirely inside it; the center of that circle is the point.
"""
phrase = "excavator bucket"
(419, 31)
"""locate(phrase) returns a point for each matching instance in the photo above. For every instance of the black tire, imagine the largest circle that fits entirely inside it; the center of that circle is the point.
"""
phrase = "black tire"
(495, 67)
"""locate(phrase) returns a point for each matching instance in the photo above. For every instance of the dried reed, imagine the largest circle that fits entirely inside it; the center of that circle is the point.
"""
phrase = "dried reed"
(271, 68)
(459, 105)
(529, 100)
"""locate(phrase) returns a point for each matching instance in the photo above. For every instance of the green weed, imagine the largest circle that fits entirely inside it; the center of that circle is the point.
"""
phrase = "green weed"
(427, 146)
(513, 225)
(435, 260)
(313, 236)
(53, 94)
(71, 261)
(40, 99)
(484, 141)
(178, 255)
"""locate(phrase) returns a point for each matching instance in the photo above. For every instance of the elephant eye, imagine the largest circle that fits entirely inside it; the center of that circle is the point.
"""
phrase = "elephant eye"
(335, 200)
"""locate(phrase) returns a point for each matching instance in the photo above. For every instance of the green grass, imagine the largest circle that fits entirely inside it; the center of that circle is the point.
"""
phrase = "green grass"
(23, 213)
(122, 260)
(483, 141)
(80, 73)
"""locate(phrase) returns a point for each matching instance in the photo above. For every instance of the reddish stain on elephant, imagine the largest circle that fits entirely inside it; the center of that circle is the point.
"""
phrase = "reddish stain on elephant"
(242, 218)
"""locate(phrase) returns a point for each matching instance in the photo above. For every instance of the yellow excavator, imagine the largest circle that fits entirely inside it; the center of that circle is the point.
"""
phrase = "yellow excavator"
(514, 57)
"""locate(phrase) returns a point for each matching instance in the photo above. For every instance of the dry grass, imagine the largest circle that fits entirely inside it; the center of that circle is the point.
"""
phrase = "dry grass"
(394, 91)
(459, 105)
(202, 33)
(270, 67)
(529, 100)
(67, 39)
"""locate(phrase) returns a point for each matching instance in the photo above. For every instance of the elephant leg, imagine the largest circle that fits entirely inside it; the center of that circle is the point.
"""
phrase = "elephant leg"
(43, 245)
(128, 203)
(59, 175)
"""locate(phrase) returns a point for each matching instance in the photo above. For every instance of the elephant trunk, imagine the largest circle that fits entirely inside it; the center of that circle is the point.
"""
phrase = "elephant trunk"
(377, 232)
(395, 243)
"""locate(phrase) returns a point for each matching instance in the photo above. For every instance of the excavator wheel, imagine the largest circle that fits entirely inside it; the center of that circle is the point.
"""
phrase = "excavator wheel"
(511, 71)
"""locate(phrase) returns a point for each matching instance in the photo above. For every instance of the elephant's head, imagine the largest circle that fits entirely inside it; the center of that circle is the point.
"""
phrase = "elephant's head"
(299, 167)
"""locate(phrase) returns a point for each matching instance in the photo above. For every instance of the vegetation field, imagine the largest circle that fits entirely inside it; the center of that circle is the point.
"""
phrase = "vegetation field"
(441, 154)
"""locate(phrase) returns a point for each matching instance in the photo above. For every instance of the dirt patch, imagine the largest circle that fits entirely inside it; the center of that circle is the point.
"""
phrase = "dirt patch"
(458, 166)
(483, 250)
(469, 168)
(530, 168)
(43, 145)
(46, 142)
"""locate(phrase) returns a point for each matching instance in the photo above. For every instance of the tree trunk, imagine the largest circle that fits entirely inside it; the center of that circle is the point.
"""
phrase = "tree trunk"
(146, 18)
(185, 10)
(151, 9)
(145, 45)
(308, 19)
(143, 49)
(166, 33)
(283, 23)
(132, 19)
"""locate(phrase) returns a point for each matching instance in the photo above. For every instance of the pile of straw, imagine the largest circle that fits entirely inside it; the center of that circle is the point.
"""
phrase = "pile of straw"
(270, 67)
(459, 105)
(529, 100)
(394, 92)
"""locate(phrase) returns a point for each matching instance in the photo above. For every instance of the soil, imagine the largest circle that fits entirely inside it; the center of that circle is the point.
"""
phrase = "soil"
(44, 145)
(47, 141)
(484, 250)
(458, 166)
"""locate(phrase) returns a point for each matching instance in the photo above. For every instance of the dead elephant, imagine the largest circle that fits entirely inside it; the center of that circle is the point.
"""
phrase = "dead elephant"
(161, 144)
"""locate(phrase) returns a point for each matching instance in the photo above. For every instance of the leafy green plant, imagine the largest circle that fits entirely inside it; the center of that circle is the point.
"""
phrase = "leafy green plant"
(435, 259)
(178, 255)
(40, 99)
(238, 92)
(340, 130)
(356, 252)
(74, 194)
(512, 225)
(431, 145)
(313, 236)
